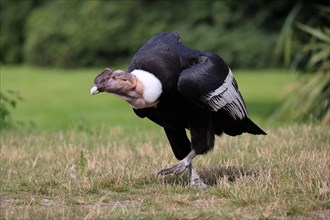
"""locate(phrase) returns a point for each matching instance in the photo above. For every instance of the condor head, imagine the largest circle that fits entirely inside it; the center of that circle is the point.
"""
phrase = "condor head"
(118, 82)
(139, 88)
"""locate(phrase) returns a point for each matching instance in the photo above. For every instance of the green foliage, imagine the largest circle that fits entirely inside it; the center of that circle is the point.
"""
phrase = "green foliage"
(303, 35)
(318, 48)
(8, 101)
(308, 101)
(82, 163)
(77, 33)
(12, 23)
(310, 98)
(285, 44)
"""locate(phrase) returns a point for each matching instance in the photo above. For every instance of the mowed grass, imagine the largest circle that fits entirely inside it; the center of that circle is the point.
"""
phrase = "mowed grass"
(90, 157)
(58, 99)
(55, 99)
(105, 174)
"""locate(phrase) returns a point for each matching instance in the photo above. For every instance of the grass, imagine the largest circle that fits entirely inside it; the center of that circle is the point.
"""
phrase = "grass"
(54, 99)
(57, 99)
(105, 174)
(89, 157)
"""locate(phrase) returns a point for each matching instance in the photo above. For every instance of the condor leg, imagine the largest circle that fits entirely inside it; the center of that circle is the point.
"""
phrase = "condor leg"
(181, 166)
(195, 180)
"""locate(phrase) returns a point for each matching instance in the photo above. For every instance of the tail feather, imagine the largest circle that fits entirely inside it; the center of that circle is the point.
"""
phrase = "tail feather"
(252, 128)
(228, 125)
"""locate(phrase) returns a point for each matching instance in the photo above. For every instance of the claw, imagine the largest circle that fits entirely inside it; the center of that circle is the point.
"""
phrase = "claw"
(176, 169)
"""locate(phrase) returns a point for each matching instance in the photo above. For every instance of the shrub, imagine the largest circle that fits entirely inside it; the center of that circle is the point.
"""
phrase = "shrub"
(8, 101)
(310, 98)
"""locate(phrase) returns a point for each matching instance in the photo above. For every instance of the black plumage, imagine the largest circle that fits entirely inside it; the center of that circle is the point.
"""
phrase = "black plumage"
(186, 75)
(199, 93)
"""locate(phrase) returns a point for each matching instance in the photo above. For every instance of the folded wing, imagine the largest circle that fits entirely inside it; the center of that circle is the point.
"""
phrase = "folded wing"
(211, 84)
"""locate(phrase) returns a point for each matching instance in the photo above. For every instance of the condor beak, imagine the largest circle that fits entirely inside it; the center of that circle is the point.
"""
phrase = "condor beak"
(94, 90)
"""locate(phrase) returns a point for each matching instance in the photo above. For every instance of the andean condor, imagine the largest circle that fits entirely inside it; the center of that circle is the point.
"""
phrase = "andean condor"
(181, 88)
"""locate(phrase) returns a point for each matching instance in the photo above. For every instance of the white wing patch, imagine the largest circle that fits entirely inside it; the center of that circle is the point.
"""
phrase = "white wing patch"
(227, 97)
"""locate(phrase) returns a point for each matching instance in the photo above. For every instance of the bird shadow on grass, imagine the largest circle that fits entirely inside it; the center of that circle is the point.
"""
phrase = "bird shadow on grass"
(212, 175)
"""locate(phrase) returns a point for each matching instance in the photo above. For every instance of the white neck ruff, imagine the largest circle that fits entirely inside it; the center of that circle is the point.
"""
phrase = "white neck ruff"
(152, 86)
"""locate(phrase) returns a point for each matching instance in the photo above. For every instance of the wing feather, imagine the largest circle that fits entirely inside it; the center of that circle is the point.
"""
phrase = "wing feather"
(210, 83)
(227, 97)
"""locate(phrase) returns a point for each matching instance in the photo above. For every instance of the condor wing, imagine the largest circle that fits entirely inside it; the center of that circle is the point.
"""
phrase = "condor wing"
(210, 83)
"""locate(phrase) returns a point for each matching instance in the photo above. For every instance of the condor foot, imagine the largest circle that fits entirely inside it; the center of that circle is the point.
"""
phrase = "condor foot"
(176, 169)
(198, 183)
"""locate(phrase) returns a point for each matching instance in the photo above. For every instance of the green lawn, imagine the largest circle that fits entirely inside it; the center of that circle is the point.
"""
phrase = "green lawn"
(90, 157)
(57, 99)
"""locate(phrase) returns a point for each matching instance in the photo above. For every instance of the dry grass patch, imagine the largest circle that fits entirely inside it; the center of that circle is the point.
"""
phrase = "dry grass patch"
(106, 174)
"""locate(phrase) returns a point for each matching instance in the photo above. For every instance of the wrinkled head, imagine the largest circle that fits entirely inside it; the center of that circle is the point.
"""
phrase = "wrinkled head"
(139, 88)
(118, 82)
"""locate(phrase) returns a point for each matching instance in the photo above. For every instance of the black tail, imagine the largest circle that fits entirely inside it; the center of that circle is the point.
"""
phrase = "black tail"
(251, 127)
(228, 125)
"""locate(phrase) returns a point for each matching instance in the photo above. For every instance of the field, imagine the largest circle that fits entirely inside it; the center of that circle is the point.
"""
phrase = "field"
(75, 156)
(57, 99)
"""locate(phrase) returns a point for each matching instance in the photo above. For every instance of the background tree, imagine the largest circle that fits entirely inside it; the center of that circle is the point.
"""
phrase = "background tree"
(76, 33)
